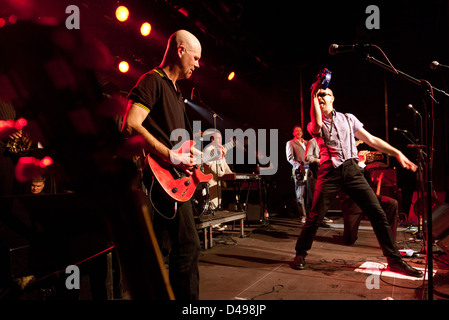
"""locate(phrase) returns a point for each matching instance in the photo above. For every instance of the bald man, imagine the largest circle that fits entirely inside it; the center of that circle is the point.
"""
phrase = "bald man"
(335, 133)
(156, 108)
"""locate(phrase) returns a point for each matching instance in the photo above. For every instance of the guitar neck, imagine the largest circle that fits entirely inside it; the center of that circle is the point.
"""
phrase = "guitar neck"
(229, 145)
(211, 155)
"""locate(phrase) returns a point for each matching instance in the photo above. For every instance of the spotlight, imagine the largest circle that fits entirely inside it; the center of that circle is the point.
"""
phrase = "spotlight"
(122, 13)
(123, 66)
(45, 162)
(145, 29)
(12, 19)
(231, 76)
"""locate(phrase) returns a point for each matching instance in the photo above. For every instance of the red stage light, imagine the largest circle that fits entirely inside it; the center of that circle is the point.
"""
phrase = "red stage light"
(45, 162)
(12, 19)
(20, 123)
(123, 66)
(231, 76)
(28, 168)
(145, 29)
(122, 13)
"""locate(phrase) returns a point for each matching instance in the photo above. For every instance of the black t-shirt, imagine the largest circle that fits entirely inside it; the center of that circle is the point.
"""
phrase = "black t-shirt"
(156, 93)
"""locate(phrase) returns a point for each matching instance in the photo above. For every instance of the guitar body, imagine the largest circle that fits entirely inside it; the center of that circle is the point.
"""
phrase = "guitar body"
(176, 183)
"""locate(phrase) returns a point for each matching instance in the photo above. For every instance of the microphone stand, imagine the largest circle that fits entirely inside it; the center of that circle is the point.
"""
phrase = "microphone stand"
(214, 115)
(420, 160)
(428, 100)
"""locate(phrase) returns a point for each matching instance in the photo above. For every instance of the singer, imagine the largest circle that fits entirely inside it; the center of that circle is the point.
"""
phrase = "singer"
(335, 133)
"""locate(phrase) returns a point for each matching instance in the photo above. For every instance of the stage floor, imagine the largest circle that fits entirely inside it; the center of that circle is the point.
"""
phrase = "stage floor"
(257, 266)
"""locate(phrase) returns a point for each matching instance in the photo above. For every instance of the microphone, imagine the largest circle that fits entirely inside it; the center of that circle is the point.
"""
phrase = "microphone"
(436, 65)
(400, 130)
(413, 109)
(335, 48)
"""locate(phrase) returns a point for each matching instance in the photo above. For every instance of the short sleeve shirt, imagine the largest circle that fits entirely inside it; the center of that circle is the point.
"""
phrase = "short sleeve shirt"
(156, 93)
(336, 139)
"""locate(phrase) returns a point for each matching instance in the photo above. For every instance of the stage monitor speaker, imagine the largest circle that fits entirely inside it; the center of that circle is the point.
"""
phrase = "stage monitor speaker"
(440, 221)
(254, 213)
(444, 244)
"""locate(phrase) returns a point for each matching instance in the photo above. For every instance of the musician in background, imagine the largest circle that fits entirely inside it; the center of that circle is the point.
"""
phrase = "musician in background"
(335, 133)
(155, 109)
(313, 160)
(217, 167)
(37, 185)
(295, 153)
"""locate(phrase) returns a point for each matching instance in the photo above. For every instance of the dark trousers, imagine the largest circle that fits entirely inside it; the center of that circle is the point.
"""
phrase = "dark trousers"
(180, 245)
(352, 215)
(349, 178)
(310, 189)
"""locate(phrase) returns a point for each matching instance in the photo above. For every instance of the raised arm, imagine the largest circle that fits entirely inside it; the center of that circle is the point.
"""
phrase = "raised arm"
(386, 148)
(315, 110)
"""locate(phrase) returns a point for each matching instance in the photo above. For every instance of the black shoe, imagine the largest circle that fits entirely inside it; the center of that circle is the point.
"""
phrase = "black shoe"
(402, 267)
(324, 225)
(299, 263)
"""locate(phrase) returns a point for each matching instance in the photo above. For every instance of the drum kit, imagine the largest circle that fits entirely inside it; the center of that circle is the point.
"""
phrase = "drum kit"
(201, 200)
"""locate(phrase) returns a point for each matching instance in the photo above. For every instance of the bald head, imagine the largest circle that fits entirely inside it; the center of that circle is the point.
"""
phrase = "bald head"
(182, 54)
(185, 38)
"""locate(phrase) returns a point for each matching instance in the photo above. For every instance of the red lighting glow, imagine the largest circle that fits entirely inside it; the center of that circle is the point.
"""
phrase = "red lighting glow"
(28, 168)
(122, 13)
(20, 123)
(145, 29)
(12, 19)
(123, 66)
(184, 12)
(45, 162)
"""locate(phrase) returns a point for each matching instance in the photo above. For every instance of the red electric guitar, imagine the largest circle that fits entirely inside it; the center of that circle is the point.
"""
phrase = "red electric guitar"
(175, 182)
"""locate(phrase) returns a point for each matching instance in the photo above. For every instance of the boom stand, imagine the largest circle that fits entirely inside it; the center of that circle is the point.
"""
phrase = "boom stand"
(214, 115)
(420, 196)
(428, 100)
